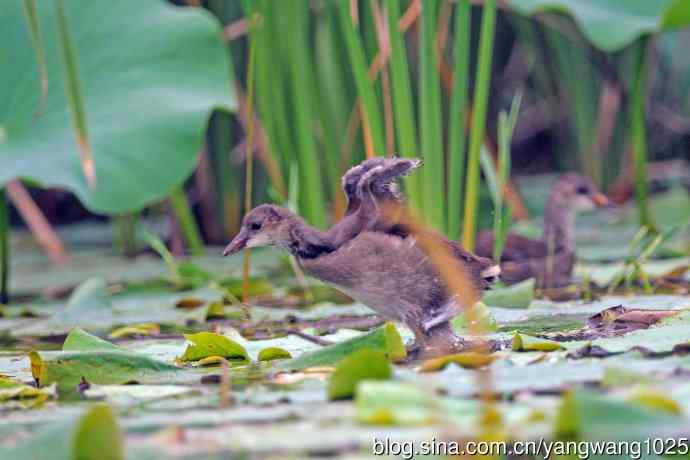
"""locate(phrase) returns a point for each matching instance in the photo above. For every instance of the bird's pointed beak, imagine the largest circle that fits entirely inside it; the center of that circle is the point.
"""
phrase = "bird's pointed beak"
(600, 200)
(237, 244)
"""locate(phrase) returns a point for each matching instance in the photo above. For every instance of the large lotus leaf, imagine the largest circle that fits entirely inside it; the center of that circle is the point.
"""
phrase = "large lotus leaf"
(150, 74)
(613, 24)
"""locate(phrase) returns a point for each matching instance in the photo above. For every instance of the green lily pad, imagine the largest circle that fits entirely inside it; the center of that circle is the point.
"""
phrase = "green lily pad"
(612, 25)
(67, 368)
(405, 404)
(385, 338)
(587, 416)
(392, 403)
(80, 340)
(519, 295)
(523, 342)
(146, 101)
(205, 344)
(365, 364)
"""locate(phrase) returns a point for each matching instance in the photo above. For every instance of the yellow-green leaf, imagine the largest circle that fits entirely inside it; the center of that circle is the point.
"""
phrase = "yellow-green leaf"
(144, 329)
(271, 353)
(98, 435)
(28, 396)
(205, 344)
(524, 342)
(210, 361)
(470, 359)
(657, 401)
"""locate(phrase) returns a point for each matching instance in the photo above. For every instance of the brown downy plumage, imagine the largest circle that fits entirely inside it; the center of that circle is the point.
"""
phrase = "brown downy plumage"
(387, 271)
(550, 259)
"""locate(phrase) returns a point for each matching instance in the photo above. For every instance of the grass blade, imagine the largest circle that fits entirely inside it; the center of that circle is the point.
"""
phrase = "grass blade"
(311, 191)
(639, 136)
(371, 115)
(74, 95)
(481, 95)
(249, 174)
(37, 40)
(190, 230)
(336, 92)
(503, 216)
(126, 233)
(430, 118)
(384, 47)
(270, 96)
(402, 100)
(458, 109)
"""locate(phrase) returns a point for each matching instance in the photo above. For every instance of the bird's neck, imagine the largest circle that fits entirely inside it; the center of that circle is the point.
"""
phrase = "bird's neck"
(305, 241)
(559, 225)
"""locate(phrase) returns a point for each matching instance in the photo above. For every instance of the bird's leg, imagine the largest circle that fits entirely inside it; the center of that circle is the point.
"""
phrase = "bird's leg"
(437, 341)
(442, 340)
(416, 349)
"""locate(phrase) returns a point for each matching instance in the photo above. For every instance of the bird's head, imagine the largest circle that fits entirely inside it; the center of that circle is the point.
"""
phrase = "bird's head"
(578, 193)
(265, 225)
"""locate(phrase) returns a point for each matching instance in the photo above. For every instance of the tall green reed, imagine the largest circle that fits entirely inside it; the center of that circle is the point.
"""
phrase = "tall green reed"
(348, 75)
(31, 13)
(73, 90)
(249, 175)
(371, 115)
(481, 95)
(458, 109)
(639, 136)
(430, 120)
(296, 16)
(503, 212)
(226, 180)
(403, 105)
(185, 218)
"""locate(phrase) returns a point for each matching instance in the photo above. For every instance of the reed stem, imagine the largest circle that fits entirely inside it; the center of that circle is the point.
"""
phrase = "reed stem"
(371, 115)
(458, 120)
(430, 119)
(639, 137)
(126, 241)
(185, 218)
(402, 100)
(481, 95)
(249, 176)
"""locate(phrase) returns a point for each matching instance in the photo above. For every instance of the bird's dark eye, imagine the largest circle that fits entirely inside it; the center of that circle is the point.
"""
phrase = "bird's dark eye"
(255, 226)
(582, 190)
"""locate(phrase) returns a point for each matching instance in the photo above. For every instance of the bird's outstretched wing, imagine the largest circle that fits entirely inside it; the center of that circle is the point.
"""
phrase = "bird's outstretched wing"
(382, 182)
